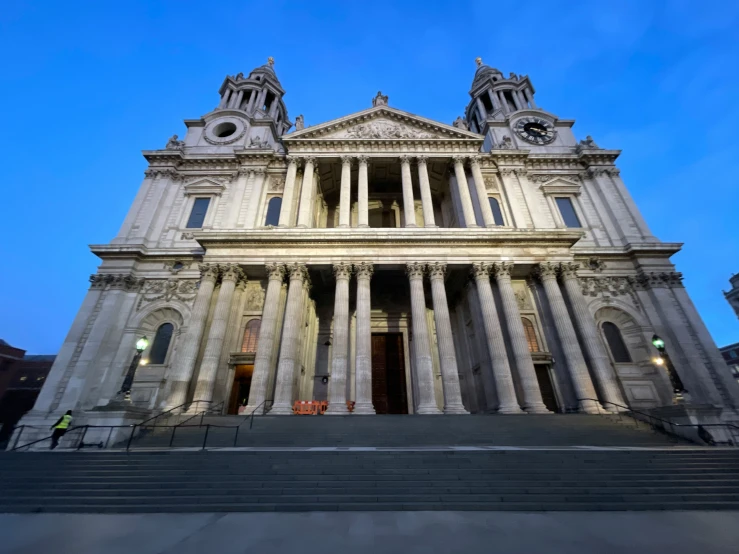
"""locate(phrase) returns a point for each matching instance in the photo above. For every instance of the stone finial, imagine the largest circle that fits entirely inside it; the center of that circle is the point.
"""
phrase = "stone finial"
(271, 60)
(379, 100)
(478, 61)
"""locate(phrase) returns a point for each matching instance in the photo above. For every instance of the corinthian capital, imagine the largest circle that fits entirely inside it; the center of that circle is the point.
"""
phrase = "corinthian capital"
(208, 272)
(347, 160)
(502, 270)
(546, 271)
(275, 272)
(293, 160)
(569, 270)
(415, 270)
(459, 160)
(364, 270)
(297, 271)
(422, 160)
(363, 160)
(231, 272)
(481, 270)
(342, 271)
(437, 270)
(474, 161)
(405, 159)
(309, 160)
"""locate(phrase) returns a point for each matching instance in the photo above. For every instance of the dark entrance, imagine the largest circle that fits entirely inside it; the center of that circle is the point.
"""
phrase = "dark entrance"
(240, 389)
(388, 374)
(548, 395)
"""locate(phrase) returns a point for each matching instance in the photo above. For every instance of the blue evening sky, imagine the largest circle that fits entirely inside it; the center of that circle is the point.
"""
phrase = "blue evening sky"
(84, 86)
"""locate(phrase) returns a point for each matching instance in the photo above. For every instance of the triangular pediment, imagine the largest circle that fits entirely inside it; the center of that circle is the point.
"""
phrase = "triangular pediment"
(203, 185)
(382, 123)
(560, 185)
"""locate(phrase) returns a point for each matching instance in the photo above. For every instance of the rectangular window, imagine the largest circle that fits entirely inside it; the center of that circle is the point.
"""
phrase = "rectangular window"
(567, 210)
(197, 215)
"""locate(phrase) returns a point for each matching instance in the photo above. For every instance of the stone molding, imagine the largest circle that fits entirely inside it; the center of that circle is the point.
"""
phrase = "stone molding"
(119, 281)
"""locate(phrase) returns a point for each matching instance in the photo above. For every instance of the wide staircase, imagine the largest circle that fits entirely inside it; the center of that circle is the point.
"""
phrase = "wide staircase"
(528, 463)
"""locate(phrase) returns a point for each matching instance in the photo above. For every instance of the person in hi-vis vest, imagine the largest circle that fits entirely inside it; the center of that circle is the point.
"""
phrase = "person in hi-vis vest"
(60, 428)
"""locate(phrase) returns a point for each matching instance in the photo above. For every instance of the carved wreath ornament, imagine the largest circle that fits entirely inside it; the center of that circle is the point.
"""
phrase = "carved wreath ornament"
(159, 289)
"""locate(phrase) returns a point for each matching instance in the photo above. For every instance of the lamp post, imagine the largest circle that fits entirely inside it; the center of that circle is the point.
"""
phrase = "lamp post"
(141, 345)
(663, 359)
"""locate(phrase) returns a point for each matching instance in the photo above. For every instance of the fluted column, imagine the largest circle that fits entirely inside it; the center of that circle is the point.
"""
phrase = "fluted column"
(482, 193)
(305, 209)
(464, 192)
(266, 342)
(409, 208)
(363, 342)
(496, 346)
(185, 365)
(290, 347)
(289, 192)
(532, 401)
(340, 352)
(447, 356)
(345, 194)
(421, 343)
(604, 373)
(568, 339)
(363, 193)
(423, 183)
(230, 274)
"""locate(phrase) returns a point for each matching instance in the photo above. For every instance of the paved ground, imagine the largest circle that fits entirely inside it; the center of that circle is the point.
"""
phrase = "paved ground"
(386, 532)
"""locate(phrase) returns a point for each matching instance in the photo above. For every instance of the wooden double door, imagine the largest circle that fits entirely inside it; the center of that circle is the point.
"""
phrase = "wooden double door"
(389, 393)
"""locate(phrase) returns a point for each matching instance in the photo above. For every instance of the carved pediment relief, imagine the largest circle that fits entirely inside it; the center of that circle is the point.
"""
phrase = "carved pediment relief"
(559, 185)
(204, 185)
(383, 123)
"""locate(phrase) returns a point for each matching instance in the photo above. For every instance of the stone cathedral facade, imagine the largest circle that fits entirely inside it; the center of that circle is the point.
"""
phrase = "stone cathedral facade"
(385, 263)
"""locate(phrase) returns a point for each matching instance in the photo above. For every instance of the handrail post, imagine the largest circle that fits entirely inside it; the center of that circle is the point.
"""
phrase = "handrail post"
(107, 441)
(18, 436)
(82, 438)
(171, 440)
(130, 439)
(205, 438)
(236, 436)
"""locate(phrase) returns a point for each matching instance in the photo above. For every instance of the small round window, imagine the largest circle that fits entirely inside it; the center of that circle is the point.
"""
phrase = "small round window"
(225, 129)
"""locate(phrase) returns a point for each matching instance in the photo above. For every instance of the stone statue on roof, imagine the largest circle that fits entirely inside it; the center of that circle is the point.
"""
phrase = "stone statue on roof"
(379, 100)
(460, 123)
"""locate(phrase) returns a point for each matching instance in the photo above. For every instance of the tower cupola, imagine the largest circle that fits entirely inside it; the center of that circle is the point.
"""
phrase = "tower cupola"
(495, 96)
(259, 95)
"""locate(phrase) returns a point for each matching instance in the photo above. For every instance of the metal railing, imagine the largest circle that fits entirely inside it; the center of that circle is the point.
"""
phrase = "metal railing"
(81, 431)
(120, 434)
(668, 427)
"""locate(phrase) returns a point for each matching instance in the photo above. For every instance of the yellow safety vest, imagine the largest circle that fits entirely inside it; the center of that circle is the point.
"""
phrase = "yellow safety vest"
(66, 420)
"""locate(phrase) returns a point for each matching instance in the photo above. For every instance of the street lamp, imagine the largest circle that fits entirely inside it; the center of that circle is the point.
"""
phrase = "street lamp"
(664, 360)
(141, 345)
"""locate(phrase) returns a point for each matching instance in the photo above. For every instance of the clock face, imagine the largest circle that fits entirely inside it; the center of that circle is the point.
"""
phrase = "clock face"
(535, 130)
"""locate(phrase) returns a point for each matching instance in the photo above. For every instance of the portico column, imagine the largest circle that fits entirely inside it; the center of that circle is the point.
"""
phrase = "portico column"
(602, 368)
(306, 194)
(568, 339)
(185, 365)
(507, 403)
(482, 193)
(340, 353)
(363, 342)
(290, 347)
(363, 193)
(529, 97)
(425, 186)
(464, 192)
(224, 100)
(421, 345)
(239, 97)
(409, 208)
(447, 357)
(266, 342)
(532, 401)
(209, 366)
(345, 194)
(288, 193)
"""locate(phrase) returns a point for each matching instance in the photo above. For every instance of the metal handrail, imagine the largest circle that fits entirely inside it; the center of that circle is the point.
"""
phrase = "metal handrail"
(198, 402)
(665, 422)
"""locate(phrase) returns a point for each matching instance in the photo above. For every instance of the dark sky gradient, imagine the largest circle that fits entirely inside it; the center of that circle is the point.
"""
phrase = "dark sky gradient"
(84, 86)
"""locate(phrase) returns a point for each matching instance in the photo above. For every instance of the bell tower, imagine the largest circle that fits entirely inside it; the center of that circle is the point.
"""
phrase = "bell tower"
(259, 96)
(496, 97)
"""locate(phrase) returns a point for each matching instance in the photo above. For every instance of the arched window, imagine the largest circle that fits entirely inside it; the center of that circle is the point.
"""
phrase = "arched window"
(616, 343)
(160, 346)
(273, 211)
(497, 213)
(528, 328)
(251, 336)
